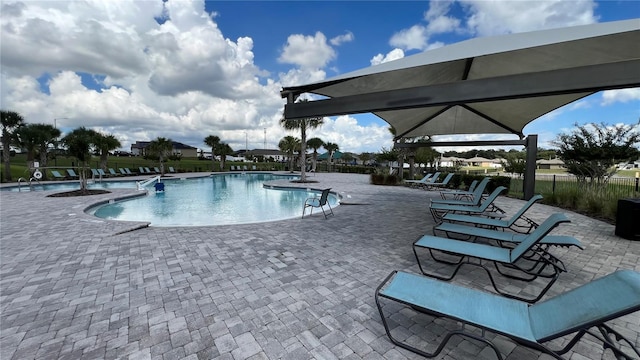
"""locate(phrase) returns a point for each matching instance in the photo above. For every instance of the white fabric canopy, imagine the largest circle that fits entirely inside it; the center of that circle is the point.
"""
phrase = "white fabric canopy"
(483, 85)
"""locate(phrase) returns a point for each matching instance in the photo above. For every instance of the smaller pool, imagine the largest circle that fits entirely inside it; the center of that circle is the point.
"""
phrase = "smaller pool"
(216, 200)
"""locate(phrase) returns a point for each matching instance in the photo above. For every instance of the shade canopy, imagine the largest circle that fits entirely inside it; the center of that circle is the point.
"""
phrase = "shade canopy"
(490, 85)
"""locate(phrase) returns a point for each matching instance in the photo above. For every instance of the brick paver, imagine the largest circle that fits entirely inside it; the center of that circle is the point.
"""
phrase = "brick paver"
(74, 286)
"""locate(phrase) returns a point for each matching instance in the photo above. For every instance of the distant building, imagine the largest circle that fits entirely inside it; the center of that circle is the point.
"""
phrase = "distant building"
(550, 164)
(275, 155)
(139, 149)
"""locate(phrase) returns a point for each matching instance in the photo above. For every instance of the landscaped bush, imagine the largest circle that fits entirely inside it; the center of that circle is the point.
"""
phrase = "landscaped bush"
(383, 179)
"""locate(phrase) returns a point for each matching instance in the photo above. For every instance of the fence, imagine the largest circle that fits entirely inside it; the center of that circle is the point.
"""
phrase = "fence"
(615, 188)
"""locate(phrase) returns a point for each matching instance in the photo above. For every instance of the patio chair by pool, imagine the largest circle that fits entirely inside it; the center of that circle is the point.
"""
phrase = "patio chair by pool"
(112, 172)
(318, 202)
(94, 173)
(518, 222)
(102, 173)
(485, 208)
(172, 170)
(122, 171)
(147, 170)
(141, 170)
(526, 262)
(584, 310)
(72, 174)
(441, 184)
(232, 168)
(157, 170)
(56, 175)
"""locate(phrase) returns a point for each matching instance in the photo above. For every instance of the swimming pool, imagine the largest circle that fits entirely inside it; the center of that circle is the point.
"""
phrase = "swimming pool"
(216, 200)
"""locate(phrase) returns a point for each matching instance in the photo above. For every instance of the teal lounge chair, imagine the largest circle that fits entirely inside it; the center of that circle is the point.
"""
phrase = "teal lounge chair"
(56, 175)
(486, 206)
(157, 170)
(441, 184)
(171, 169)
(128, 171)
(472, 198)
(459, 194)
(102, 173)
(518, 222)
(122, 171)
(421, 181)
(72, 174)
(94, 173)
(538, 263)
(147, 171)
(141, 169)
(585, 310)
(112, 172)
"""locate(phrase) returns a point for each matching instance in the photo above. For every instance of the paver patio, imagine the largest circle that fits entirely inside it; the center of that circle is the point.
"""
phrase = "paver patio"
(77, 287)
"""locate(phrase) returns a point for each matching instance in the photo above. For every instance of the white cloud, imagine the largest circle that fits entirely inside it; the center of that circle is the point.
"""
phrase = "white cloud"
(341, 39)
(394, 54)
(413, 38)
(352, 136)
(309, 52)
(495, 17)
(624, 95)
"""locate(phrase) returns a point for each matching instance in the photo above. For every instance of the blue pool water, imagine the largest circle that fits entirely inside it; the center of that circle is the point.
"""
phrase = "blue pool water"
(216, 200)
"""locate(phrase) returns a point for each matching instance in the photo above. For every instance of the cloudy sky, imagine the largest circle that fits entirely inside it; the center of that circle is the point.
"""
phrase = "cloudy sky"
(188, 69)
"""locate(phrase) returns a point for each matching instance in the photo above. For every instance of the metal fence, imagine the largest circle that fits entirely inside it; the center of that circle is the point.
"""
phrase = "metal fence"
(615, 188)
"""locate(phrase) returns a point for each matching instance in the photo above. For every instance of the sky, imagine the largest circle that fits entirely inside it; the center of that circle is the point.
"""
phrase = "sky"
(188, 69)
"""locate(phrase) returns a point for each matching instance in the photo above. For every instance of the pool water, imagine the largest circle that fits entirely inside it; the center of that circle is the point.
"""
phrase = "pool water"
(216, 200)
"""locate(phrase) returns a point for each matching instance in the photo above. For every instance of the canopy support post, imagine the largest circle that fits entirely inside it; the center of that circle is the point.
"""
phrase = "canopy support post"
(530, 171)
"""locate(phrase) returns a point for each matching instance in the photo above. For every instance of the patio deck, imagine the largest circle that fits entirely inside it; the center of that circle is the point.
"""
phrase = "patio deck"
(73, 286)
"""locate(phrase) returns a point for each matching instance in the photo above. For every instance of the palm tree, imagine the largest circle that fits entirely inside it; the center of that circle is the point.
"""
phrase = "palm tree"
(162, 147)
(36, 138)
(11, 121)
(303, 125)
(79, 143)
(289, 145)
(106, 143)
(315, 143)
(214, 142)
(223, 150)
(331, 148)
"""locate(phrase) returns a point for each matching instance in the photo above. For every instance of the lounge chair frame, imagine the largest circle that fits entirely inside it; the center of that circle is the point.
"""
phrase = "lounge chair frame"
(524, 262)
(414, 291)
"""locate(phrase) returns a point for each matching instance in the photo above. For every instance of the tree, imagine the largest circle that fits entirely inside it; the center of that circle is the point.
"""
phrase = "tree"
(315, 143)
(426, 155)
(591, 151)
(36, 138)
(162, 148)
(289, 145)
(11, 121)
(214, 142)
(515, 164)
(106, 143)
(223, 150)
(304, 125)
(365, 157)
(331, 148)
(80, 143)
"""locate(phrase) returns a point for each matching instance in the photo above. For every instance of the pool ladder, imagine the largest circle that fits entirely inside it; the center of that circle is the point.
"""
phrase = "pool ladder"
(29, 183)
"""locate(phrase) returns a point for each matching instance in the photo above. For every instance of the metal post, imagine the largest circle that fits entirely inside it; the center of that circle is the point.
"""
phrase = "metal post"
(530, 171)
